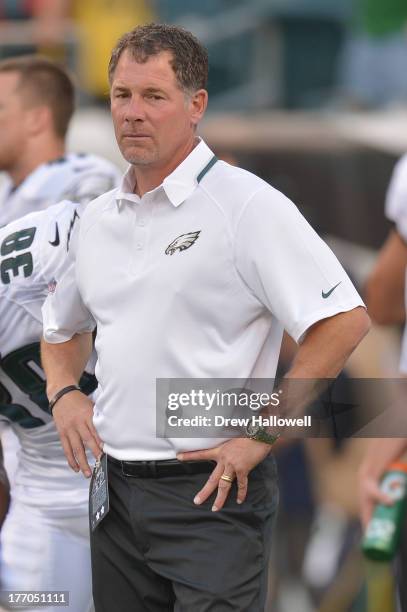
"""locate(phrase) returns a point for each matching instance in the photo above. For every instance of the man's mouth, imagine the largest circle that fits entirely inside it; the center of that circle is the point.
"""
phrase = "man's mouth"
(135, 136)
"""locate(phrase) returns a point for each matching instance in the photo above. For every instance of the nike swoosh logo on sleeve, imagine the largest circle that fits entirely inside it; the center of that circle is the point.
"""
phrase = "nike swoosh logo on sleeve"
(56, 241)
(328, 293)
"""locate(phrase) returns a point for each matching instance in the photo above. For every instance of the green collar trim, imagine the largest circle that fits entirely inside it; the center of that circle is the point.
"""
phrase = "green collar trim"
(208, 166)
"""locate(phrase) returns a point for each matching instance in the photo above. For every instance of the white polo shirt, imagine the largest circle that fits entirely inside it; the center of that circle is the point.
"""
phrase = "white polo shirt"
(198, 278)
(396, 211)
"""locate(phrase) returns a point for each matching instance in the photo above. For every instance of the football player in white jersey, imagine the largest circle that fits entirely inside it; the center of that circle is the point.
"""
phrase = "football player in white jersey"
(37, 100)
(44, 539)
(387, 299)
(36, 106)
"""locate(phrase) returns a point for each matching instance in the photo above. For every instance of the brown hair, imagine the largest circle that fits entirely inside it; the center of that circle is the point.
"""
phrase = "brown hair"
(189, 56)
(45, 82)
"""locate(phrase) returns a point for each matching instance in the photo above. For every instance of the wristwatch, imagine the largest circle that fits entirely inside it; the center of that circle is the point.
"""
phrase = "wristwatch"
(256, 432)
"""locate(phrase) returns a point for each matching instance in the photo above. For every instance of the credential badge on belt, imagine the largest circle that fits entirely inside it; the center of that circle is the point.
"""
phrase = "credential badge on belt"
(98, 493)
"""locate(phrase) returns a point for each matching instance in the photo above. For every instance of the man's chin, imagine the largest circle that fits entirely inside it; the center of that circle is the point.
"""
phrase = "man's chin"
(139, 158)
(138, 161)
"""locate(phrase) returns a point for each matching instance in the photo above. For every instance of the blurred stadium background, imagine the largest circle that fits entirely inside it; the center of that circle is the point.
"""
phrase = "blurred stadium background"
(312, 96)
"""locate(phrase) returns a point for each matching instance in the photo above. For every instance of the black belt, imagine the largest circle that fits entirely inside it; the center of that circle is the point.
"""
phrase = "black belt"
(162, 469)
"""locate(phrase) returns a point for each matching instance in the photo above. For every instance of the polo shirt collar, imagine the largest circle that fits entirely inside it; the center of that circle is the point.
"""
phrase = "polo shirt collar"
(178, 185)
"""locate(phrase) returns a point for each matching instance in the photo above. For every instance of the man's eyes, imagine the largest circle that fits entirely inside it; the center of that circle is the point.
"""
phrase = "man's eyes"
(148, 96)
(152, 96)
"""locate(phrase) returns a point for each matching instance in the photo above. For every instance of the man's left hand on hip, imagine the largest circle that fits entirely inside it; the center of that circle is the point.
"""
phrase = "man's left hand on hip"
(235, 459)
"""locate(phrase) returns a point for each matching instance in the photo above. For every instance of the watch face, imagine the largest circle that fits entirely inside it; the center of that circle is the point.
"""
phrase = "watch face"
(252, 430)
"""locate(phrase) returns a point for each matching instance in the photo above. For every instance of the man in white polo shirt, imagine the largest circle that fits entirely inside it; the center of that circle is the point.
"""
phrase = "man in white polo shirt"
(192, 268)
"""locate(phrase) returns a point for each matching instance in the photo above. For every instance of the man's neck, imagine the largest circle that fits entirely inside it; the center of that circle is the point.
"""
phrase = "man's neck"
(30, 163)
(150, 177)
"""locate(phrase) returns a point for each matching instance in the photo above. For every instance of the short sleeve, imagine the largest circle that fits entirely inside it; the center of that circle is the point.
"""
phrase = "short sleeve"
(396, 198)
(64, 313)
(287, 266)
(58, 231)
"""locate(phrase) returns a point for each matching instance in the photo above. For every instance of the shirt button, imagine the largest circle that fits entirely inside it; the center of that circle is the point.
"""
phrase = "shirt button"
(139, 246)
(142, 222)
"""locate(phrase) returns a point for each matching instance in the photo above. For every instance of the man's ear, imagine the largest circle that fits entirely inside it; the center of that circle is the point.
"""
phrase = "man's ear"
(198, 104)
(38, 119)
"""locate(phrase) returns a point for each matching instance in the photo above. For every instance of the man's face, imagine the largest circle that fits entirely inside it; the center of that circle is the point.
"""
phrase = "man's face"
(12, 124)
(153, 117)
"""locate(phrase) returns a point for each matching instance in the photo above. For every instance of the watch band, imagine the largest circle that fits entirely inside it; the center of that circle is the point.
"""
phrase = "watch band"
(261, 435)
(60, 394)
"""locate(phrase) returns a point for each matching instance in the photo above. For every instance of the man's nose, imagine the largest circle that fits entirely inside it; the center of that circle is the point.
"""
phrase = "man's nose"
(135, 110)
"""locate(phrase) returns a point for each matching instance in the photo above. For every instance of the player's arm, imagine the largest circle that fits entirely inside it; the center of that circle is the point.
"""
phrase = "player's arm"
(64, 364)
(385, 285)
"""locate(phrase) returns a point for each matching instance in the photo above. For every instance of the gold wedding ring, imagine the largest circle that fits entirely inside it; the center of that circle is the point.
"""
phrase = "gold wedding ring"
(226, 478)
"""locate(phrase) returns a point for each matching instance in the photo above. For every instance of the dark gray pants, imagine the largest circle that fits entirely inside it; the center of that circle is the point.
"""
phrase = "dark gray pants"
(157, 552)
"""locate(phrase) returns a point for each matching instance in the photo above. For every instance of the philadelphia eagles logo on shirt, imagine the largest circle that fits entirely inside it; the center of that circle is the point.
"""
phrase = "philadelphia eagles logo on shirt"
(182, 242)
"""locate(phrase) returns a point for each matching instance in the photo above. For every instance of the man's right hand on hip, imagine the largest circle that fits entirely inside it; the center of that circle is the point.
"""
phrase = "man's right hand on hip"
(73, 419)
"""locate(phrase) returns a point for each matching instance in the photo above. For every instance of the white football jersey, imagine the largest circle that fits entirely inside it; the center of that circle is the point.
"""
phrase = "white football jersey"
(396, 211)
(396, 198)
(79, 177)
(32, 251)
